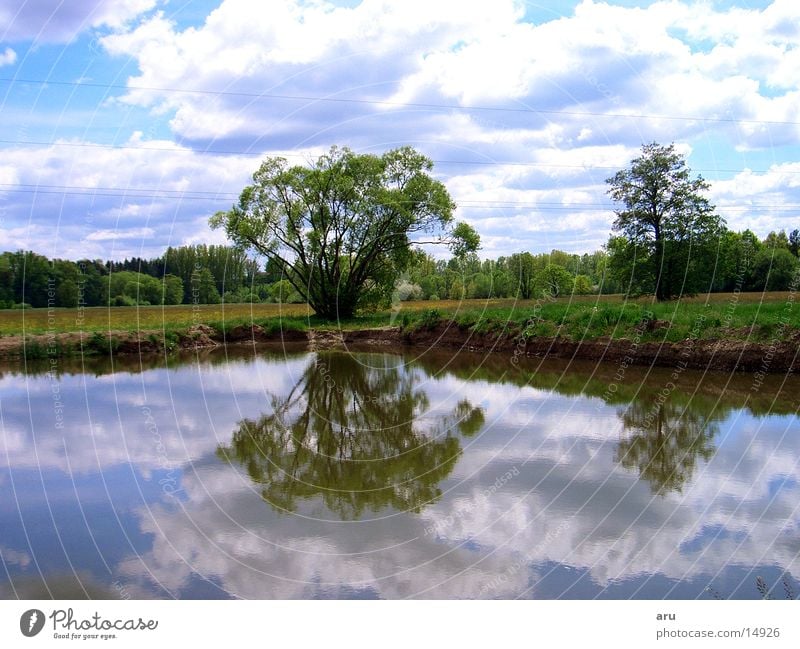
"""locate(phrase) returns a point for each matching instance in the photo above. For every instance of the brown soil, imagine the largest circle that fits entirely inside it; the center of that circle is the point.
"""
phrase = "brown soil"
(720, 354)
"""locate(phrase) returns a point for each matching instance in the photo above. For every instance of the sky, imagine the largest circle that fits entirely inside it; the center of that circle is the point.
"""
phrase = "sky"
(125, 124)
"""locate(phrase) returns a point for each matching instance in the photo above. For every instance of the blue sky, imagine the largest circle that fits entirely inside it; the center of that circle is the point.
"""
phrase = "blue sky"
(126, 123)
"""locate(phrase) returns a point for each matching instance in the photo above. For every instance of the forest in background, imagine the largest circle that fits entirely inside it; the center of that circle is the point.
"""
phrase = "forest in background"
(211, 274)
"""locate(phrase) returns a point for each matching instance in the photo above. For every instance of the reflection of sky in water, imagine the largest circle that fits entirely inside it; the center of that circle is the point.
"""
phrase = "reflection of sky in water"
(131, 496)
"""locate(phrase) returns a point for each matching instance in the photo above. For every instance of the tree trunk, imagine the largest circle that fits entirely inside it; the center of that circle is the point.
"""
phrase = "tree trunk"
(334, 309)
(658, 258)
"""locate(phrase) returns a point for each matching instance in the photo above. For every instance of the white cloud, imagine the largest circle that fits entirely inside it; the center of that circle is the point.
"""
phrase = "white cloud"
(129, 233)
(60, 22)
(144, 190)
(605, 58)
(568, 85)
(8, 57)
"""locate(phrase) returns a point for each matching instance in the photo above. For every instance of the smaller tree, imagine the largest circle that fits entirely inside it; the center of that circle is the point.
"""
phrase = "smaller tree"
(173, 289)
(777, 240)
(521, 267)
(553, 280)
(204, 288)
(583, 285)
(283, 292)
(773, 270)
(794, 242)
(665, 216)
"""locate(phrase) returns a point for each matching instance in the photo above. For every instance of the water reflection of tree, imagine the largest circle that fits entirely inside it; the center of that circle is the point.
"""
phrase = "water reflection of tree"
(350, 432)
(664, 443)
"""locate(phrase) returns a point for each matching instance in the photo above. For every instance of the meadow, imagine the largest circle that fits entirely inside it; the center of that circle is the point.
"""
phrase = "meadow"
(755, 316)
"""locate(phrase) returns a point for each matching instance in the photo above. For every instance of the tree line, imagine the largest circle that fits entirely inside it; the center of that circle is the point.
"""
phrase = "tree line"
(347, 234)
(203, 274)
(736, 261)
(739, 261)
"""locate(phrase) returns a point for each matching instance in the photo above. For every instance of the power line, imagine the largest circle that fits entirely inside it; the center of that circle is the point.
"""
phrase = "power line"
(172, 194)
(491, 163)
(151, 190)
(397, 104)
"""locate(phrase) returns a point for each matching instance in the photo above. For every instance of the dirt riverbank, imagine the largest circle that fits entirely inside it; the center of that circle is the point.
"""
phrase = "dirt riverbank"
(772, 356)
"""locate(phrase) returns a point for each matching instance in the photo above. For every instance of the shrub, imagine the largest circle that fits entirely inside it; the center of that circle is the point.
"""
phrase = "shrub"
(34, 350)
(123, 300)
(97, 343)
(429, 318)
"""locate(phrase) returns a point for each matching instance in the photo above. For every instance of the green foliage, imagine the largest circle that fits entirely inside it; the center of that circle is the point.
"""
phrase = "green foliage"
(284, 293)
(341, 229)
(203, 288)
(773, 269)
(138, 288)
(230, 268)
(67, 294)
(405, 291)
(457, 290)
(671, 230)
(552, 281)
(794, 242)
(171, 340)
(34, 350)
(429, 319)
(123, 300)
(521, 268)
(173, 289)
(370, 450)
(465, 240)
(98, 343)
(582, 285)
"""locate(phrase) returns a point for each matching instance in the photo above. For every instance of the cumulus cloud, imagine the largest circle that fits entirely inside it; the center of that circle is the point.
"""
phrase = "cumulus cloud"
(43, 21)
(154, 192)
(578, 94)
(673, 59)
(523, 119)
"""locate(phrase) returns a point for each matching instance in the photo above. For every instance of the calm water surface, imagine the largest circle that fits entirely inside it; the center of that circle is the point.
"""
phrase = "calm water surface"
(369, 475)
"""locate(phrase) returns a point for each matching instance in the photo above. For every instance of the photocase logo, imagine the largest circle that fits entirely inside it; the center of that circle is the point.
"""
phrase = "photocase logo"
(31, 622)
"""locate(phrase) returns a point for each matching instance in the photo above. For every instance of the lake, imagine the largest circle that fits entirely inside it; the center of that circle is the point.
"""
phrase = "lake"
(285, 473)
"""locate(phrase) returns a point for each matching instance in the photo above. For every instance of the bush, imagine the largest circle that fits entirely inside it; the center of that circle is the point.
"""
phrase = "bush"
(429, 318)
(97, 343)
(123, 300)
(34, 350)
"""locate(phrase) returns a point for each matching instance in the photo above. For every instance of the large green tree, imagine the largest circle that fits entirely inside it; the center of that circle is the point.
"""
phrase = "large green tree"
(341, 229)
(669, 225)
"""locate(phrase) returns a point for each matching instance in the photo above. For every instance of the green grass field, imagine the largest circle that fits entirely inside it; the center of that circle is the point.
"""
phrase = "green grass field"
(746, 315)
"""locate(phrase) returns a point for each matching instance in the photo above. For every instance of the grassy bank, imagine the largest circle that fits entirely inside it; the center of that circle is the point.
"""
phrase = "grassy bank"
(756, 317)
(744, 316)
